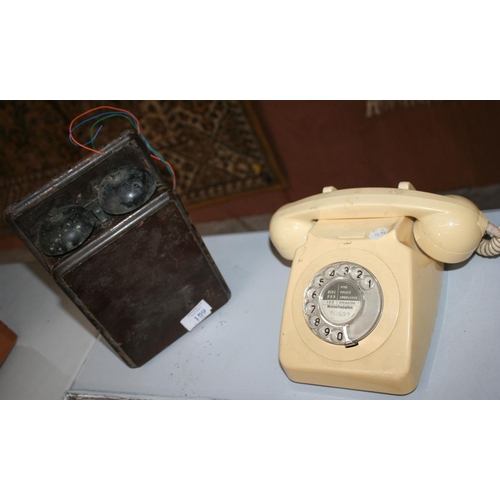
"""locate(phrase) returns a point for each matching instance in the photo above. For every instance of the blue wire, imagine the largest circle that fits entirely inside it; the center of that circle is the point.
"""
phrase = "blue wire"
(97, 116)
(105, 113)
(93, 138)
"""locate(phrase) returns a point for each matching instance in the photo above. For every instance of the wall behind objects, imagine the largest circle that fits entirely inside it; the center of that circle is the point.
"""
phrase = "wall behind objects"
(436, 145)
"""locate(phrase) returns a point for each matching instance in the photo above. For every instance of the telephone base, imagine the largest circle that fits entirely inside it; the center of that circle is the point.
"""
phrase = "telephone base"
(391, 357)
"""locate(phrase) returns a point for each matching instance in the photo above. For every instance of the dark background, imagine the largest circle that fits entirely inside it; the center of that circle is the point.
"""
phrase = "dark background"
(438, 146)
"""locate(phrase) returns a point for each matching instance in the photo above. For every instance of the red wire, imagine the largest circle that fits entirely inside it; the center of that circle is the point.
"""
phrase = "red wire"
(95, 109)
(100, 152)
(174, 177)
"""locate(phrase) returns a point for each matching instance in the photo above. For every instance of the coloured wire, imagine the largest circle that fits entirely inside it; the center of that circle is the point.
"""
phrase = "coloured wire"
(92, 139)
(155, 154)
(112, 115)
(116, 112)
(72, 128)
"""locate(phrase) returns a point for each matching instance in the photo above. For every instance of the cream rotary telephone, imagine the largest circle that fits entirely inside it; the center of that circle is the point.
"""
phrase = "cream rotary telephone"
(365, 281)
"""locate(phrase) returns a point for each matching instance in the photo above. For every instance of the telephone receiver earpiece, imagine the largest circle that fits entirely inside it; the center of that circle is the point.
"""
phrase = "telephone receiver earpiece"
(122, 191)
(125, 189)
(451, 237)
(447, 228)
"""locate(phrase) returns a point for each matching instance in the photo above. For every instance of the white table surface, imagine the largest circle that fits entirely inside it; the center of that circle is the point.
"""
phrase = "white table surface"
(54, 338)
(233, 354)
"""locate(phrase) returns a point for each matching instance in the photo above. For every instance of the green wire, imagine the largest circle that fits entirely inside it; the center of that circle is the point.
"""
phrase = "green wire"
(92, 138)
(105, 118)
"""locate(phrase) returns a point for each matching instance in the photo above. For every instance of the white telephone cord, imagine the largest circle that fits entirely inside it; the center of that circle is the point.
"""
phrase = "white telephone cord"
(490, 247)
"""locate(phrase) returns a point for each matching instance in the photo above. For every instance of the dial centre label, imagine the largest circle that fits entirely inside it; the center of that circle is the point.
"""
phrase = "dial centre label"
(341, 302)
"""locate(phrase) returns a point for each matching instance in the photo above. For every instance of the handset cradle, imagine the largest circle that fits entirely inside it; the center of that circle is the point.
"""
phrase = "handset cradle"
(448, 228)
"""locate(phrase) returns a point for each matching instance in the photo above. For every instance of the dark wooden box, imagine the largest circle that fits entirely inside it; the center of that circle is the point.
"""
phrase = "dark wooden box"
(137, 275)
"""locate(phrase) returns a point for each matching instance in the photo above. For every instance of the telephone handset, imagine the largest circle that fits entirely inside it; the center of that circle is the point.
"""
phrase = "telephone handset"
(365, 282)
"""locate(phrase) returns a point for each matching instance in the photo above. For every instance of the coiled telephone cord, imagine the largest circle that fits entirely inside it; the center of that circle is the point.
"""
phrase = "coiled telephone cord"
(490, 247)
